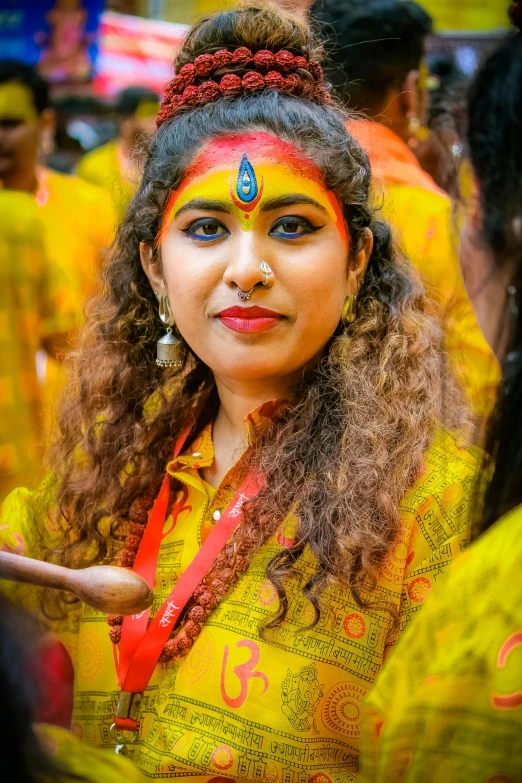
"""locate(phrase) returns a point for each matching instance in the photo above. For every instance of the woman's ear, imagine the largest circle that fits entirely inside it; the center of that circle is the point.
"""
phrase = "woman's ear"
(151, 264)
(358, 264)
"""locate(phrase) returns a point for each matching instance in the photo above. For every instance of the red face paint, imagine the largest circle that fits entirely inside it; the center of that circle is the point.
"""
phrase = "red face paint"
(245, 169)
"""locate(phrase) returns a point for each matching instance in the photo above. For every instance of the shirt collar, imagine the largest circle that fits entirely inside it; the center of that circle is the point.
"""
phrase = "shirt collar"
(200, 453)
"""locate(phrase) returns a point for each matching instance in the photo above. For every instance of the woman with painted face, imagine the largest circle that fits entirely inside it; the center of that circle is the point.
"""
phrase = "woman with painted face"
(448, 705)
(256, 428)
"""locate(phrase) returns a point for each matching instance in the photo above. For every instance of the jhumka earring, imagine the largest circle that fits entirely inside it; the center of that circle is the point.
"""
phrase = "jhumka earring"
(342, 341)
(171, 351)
(418, 131)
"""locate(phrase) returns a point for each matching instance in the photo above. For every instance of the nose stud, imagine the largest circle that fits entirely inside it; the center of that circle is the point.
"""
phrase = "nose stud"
(244, 295)
(265, 269)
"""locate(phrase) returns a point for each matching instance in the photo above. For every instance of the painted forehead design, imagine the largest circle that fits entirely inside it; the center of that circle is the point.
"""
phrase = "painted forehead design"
(247, 167)
(225, 151)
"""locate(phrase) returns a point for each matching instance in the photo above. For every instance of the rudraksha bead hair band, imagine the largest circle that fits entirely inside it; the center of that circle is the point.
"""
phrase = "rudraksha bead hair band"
(226, 72)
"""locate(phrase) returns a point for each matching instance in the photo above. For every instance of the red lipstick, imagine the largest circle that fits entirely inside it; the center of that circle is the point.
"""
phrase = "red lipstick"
(249, 319)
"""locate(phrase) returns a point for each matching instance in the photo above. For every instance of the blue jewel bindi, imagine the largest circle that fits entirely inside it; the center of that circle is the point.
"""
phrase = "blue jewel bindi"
(246, 183)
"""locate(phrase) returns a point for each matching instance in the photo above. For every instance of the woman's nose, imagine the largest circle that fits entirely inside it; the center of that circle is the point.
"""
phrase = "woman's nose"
(245, 268)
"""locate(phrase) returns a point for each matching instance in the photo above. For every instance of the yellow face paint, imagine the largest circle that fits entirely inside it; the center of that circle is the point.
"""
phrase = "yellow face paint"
(147, 109)
(16, 102)
(246, 173)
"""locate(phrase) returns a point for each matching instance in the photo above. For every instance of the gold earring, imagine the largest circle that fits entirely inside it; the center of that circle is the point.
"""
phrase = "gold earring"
(170, 350)
(341, 343)
(349, 310)
(417, 129)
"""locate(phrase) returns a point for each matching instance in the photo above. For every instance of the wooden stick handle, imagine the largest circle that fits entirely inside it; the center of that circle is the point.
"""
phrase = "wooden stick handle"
(32, 572)
(108, 589)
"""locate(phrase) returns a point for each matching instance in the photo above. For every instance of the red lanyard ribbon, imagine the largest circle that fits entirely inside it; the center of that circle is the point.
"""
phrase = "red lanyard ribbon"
(142, 644)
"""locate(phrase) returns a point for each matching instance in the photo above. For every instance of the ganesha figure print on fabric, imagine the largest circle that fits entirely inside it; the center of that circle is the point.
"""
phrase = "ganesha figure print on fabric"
(301, 694)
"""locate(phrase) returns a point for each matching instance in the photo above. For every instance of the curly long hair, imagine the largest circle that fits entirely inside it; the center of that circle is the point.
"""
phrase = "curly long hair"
(353, 441)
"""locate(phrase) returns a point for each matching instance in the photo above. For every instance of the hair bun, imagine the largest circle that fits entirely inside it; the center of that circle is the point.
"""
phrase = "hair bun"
(243, 51)
(515, 14)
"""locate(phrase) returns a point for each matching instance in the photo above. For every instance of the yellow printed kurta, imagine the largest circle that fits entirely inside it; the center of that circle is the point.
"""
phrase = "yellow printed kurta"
(79, 226)
(420, 215)
(286, 709)
(102, 167)
(33, 305)
(448, 705)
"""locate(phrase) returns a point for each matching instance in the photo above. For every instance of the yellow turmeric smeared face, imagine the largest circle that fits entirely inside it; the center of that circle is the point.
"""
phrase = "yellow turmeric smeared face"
(247, 203)
(19, 134)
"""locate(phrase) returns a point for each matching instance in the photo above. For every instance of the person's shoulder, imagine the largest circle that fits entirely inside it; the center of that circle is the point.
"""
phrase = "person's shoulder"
(437, 509)
(431, 202)
(90, 205)
(450, 468)
(96, 162)
(73, 186)
(448, 449)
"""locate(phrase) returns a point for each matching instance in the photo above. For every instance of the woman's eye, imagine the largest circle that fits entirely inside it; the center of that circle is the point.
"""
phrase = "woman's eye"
(205, 229)
(292, 228)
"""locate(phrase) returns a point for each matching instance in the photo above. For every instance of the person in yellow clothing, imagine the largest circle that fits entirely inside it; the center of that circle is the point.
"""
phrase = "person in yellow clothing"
(77, 217)
(260, 426)
(448, 704)
(114, 165)
(35, 314)
(376, 66)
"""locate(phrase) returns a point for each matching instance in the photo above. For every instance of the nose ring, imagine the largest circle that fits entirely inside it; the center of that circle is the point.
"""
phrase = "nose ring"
(244, 295)
(263, 266)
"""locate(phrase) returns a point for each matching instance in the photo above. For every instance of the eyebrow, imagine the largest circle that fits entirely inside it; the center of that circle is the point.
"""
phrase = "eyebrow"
(205, 204)
(275, 203)
(291, 200)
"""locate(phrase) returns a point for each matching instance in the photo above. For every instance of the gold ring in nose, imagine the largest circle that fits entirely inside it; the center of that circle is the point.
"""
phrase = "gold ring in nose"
(265, 269)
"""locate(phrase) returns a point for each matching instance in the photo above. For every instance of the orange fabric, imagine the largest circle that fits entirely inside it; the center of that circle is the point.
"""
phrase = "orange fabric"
(390, 158)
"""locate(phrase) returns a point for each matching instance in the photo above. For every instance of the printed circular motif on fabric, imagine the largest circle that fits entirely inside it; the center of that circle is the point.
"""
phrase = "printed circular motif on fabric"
(90, 656)
(222, 758)
(419, 589)
(267, 593)
(271, 773)
(342, 709)
(393, 566)
(320, 777)
(196, 667)
(354, 626)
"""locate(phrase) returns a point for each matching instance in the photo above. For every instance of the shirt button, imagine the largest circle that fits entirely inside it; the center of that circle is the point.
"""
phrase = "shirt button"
(197, 454)
(216, 516)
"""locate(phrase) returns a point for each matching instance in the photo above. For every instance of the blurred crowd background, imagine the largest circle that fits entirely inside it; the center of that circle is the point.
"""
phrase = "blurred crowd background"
(91, 50)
